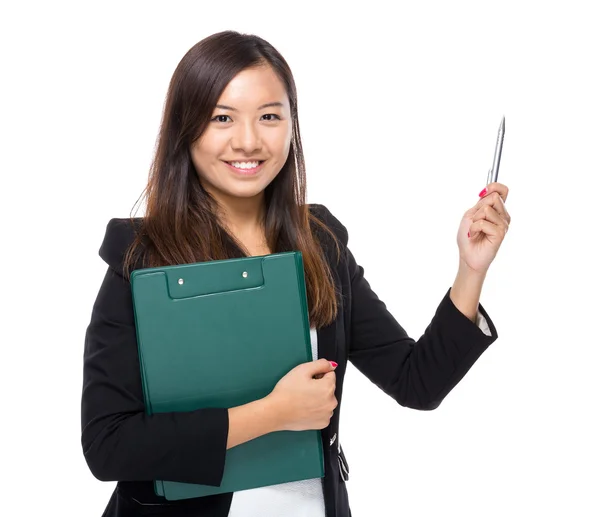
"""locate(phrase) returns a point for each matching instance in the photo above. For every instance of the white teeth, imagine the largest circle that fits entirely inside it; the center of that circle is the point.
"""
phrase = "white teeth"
(245, 165)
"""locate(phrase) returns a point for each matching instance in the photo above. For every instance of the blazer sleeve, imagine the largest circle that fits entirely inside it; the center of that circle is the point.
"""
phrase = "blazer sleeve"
(417, 374)
(120, 442)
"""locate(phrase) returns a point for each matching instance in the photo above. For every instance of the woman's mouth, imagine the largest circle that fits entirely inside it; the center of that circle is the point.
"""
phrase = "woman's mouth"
(245, 168)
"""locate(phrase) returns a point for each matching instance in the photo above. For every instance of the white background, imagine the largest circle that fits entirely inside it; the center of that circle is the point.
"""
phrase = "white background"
(399, 108)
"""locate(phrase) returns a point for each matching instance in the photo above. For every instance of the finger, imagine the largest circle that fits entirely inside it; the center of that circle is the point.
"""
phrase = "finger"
(494, 200)
(329, 375)
(489, 222)
(497, 187)
(487, 212)
(485, 227)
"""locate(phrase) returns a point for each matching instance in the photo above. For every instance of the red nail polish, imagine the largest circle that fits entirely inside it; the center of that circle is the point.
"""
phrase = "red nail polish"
(469, 235)
(333, 363)
(483, 192)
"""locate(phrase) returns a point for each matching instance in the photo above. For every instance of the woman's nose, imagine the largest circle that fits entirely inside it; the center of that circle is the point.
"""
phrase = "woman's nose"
(247, 138)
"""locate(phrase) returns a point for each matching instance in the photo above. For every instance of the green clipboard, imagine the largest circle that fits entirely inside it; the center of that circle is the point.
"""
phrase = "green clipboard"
(222, 333)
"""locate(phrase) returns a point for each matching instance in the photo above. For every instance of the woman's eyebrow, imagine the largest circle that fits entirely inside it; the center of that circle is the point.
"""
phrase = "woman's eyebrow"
(267, 105)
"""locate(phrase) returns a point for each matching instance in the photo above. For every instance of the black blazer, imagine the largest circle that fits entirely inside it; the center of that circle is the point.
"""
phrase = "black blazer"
(121, 443)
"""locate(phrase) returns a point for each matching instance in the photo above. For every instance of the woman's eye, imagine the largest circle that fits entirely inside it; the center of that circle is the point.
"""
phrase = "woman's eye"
(224, 118)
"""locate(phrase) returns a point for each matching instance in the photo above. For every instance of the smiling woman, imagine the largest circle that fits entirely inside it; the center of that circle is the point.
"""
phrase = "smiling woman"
(228, 181)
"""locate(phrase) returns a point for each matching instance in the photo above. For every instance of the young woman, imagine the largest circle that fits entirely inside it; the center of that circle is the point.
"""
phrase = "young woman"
(228, 180)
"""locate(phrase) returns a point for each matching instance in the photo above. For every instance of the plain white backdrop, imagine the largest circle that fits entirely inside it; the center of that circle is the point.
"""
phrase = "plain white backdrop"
(399, 108)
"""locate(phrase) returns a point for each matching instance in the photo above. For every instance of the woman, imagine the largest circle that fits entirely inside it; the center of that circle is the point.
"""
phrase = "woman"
(228, 181)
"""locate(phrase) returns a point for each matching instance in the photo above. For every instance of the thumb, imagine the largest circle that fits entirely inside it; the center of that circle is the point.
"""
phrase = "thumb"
(321, 366)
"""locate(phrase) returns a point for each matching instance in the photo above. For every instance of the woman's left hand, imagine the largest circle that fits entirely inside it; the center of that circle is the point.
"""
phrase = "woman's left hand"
(483, 228)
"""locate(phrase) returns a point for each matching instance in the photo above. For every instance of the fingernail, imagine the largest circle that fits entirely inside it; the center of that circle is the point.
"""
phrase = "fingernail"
(469, 235)
(483, 192)
(333, 363)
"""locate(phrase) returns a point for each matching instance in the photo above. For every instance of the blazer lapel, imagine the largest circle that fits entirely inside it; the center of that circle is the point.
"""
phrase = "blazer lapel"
(328, 337)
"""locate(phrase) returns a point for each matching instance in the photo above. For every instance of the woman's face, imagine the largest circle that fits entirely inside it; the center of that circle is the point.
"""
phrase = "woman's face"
(250, 124)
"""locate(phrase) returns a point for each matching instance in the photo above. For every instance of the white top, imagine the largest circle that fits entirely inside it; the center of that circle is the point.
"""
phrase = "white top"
(298, 498)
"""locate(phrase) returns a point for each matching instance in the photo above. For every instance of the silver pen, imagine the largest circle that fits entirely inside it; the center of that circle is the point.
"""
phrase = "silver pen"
(492, 176)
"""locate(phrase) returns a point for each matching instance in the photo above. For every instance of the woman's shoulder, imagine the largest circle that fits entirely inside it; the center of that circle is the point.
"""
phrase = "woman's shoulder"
(332, 222)
(118, 236)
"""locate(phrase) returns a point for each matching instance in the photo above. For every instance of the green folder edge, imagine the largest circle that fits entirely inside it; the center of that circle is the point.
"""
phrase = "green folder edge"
(158, 484)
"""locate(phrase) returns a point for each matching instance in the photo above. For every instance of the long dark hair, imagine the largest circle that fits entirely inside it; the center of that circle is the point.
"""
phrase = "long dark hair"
(181, 224)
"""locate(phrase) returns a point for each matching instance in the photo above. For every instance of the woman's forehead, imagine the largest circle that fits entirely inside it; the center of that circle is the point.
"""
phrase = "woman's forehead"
(252, 88)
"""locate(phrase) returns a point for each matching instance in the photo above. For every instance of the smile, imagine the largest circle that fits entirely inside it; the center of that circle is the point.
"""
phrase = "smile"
(245, 168)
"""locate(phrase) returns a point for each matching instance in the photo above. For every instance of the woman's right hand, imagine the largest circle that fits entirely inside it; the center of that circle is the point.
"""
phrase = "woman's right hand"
(300, 401)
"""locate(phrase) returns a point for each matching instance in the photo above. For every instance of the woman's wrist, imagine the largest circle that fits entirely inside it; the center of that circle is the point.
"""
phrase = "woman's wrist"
(466, 290)
(252, 420)
(273, 411)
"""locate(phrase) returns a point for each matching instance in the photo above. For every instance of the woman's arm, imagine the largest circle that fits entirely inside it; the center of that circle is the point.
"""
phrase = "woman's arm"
(120, 442)
(417, 374)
